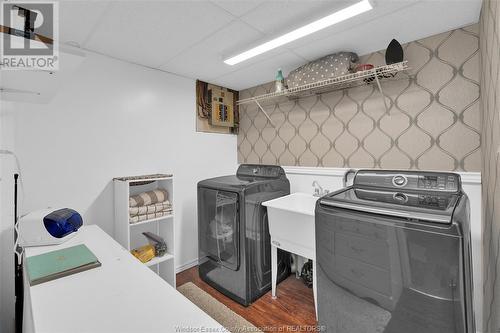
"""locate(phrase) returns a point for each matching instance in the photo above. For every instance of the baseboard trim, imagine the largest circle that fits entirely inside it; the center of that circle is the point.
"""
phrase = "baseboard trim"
(187, 265)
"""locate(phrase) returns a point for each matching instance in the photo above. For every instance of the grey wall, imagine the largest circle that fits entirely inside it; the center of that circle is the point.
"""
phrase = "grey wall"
(490, 105)
(434, 120)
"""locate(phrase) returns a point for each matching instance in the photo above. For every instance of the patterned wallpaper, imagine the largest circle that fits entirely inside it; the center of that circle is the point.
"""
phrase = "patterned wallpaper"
(433, 121)
(490, 106)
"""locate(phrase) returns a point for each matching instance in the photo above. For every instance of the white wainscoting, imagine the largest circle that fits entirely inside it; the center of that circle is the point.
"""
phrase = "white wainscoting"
(301, 179)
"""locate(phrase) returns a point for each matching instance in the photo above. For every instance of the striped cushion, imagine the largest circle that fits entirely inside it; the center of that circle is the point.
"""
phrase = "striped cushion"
(148, 198)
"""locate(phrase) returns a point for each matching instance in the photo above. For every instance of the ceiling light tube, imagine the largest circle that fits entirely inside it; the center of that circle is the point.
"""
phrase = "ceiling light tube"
(325, 22)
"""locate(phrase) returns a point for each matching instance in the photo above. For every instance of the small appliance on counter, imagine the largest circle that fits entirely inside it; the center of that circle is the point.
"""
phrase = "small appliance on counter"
(48, 226)
(42, 227)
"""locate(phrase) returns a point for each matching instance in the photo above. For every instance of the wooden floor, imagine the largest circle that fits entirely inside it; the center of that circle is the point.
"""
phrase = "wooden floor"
(292, 311)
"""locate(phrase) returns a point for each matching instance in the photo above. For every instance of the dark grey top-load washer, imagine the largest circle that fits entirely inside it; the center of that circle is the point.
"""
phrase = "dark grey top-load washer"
(394, 255)
(233, 231)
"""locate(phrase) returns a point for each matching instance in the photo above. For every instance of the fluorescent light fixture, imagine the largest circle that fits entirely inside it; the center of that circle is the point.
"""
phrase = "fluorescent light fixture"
(325, 22)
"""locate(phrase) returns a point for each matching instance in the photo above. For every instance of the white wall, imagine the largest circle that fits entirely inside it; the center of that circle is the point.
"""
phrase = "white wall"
(111, 119)
(7, 169)
(301, 179)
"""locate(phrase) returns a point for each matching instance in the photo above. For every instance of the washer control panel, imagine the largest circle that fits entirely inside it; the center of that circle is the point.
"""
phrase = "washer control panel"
(436, 201)
(427, 200)
(438, 182)
(409, 180)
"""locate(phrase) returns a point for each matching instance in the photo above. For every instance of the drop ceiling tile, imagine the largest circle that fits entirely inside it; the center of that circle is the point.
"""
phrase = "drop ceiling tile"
(178, 34)
(151, 32)
(238, 7)
(373, 36)
(341, 33)
(205, 60)
(260, 72)
(278, 17)
(78, 18)
(318, 49)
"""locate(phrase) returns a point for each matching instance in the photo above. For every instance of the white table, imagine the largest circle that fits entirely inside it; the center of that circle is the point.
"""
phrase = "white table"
(123, 295)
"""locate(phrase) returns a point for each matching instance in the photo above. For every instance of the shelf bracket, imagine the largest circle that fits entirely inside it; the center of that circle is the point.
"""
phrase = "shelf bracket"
(381, 93)
(264, 112)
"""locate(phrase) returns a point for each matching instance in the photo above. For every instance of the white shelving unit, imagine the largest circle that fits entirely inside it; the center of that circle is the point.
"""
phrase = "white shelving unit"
(130, 236)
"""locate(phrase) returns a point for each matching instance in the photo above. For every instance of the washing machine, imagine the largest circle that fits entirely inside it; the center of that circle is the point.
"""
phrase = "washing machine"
(233, 231)
(394, 255)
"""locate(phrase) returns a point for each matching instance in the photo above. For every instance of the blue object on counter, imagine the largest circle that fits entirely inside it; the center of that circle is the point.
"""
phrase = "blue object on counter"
(62, 222)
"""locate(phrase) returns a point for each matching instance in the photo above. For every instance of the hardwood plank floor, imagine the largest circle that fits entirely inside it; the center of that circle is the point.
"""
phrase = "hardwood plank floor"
(292, 311)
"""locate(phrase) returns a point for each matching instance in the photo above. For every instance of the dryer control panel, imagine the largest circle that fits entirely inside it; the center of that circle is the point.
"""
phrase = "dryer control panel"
(409, 180)
(257, 170)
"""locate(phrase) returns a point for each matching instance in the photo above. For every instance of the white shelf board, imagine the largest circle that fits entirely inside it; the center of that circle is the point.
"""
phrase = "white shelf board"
(166, 217)
(157, 260)
(131, 181)
(148, 178)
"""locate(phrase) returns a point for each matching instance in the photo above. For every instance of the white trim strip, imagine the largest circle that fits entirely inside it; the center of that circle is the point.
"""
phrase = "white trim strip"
(315, 171)
(186, 265)
(467, 177)
(470, 177)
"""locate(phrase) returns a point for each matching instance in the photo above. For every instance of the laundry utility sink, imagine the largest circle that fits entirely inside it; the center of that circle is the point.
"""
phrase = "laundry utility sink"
(291, 223)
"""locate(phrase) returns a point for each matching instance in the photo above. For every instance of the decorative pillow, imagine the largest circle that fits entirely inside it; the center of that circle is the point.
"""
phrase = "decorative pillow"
(328, 67)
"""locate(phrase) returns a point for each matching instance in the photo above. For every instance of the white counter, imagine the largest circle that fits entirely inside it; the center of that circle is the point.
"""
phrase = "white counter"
(122, 295)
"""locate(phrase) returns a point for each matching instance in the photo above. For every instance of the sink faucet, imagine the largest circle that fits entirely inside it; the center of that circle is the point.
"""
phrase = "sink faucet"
(318, 189)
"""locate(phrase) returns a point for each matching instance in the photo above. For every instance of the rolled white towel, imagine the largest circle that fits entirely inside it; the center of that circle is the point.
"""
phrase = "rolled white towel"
(157, 207)
(144, 217)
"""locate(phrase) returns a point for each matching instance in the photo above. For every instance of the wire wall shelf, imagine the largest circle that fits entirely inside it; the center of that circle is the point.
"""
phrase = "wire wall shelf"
(376, 74)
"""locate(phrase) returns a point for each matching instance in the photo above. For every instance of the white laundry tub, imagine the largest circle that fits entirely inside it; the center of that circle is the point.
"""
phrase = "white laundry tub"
(291, 223)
